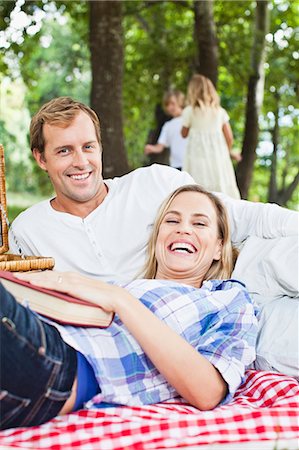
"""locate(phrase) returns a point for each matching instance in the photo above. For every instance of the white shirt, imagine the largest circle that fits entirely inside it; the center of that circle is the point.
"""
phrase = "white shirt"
(110, 243)
(171, 137)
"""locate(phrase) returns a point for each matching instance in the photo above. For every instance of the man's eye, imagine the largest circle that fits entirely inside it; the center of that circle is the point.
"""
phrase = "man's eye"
(88, 147)
(63, 151)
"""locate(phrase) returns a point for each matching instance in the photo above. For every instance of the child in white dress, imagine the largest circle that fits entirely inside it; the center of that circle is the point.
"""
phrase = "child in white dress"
(206, 123)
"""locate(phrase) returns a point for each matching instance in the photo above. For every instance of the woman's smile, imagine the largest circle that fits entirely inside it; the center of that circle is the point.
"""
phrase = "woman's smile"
(182, 247)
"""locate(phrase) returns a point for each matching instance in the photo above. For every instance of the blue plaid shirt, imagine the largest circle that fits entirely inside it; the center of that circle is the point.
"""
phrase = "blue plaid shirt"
(219, 320)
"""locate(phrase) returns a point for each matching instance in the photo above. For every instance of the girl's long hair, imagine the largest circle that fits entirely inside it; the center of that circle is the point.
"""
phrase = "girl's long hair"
(202, 93)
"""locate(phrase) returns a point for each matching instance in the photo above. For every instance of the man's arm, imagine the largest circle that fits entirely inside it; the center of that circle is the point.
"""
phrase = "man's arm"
(265, 220)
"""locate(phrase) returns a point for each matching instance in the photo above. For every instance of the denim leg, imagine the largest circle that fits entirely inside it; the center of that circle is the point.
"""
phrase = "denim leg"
(37, 368)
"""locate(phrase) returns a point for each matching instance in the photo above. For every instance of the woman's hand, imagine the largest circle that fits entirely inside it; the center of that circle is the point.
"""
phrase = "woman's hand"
(108, 297)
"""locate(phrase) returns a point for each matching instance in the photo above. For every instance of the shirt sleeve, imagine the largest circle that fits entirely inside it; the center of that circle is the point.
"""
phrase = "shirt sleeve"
(265, 220)
(186, 117)
(229, 343)
(168, 179)
(225, 116)
(164, 138)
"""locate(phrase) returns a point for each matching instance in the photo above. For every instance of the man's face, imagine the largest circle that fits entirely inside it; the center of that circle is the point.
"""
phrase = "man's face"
(73, 159)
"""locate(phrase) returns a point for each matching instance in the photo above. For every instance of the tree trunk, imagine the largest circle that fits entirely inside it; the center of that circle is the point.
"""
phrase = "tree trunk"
(205, 38)
(106, 47)
(272, 193)
(286, 194)
(254, 99)
(283, 195)
(153, 136)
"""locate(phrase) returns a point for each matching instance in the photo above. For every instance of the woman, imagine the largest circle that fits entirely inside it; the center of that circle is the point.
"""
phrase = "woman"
(174, 334)
(209, 151)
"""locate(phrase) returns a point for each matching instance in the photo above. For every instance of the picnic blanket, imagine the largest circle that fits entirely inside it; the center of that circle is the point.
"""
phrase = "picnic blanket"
(265, 408)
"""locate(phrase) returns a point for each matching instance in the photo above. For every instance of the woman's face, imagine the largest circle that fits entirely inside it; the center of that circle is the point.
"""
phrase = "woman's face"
(187, 241)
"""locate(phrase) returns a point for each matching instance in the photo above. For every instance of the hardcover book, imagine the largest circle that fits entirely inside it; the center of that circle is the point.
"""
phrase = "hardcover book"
(56, 305)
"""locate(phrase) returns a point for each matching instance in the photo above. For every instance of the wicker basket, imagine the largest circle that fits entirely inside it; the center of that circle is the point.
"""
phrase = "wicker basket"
(3, 224)
(15, 263)
(8, 262)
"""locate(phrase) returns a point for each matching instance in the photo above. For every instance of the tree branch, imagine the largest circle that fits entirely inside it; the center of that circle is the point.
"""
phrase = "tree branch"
(144, 24)
(285, 195)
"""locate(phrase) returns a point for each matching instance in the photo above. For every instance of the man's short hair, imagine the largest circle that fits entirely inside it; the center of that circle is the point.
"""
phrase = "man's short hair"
(60, 112)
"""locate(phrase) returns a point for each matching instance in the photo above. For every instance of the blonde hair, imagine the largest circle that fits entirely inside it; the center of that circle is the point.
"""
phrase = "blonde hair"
(202, 93)
(220, 269)
(61, 112)
(178, 95)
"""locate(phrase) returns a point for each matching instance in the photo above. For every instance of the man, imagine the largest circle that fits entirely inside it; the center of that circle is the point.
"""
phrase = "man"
(101, 227)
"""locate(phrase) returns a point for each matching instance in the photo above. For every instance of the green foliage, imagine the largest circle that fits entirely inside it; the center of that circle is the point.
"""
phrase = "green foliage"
(6, 7)
(234, 32)
(281, 89)
(14, 211)
(52, 63)
(62, 62)
(158, 53)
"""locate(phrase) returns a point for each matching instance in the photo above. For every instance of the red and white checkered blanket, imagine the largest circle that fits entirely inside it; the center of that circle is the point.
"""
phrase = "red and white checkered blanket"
(266, 407)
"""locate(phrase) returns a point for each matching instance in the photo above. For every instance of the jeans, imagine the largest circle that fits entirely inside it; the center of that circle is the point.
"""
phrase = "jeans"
(37, 368)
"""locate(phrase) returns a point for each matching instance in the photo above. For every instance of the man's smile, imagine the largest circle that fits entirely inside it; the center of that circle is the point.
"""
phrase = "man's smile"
(79, 176)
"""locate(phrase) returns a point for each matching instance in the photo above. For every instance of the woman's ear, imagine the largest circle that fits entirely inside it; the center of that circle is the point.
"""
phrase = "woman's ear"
(218, 250)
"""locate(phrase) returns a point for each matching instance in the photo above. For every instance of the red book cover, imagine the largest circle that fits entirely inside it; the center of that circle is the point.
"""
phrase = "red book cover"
(68, 298)
(70, 310)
